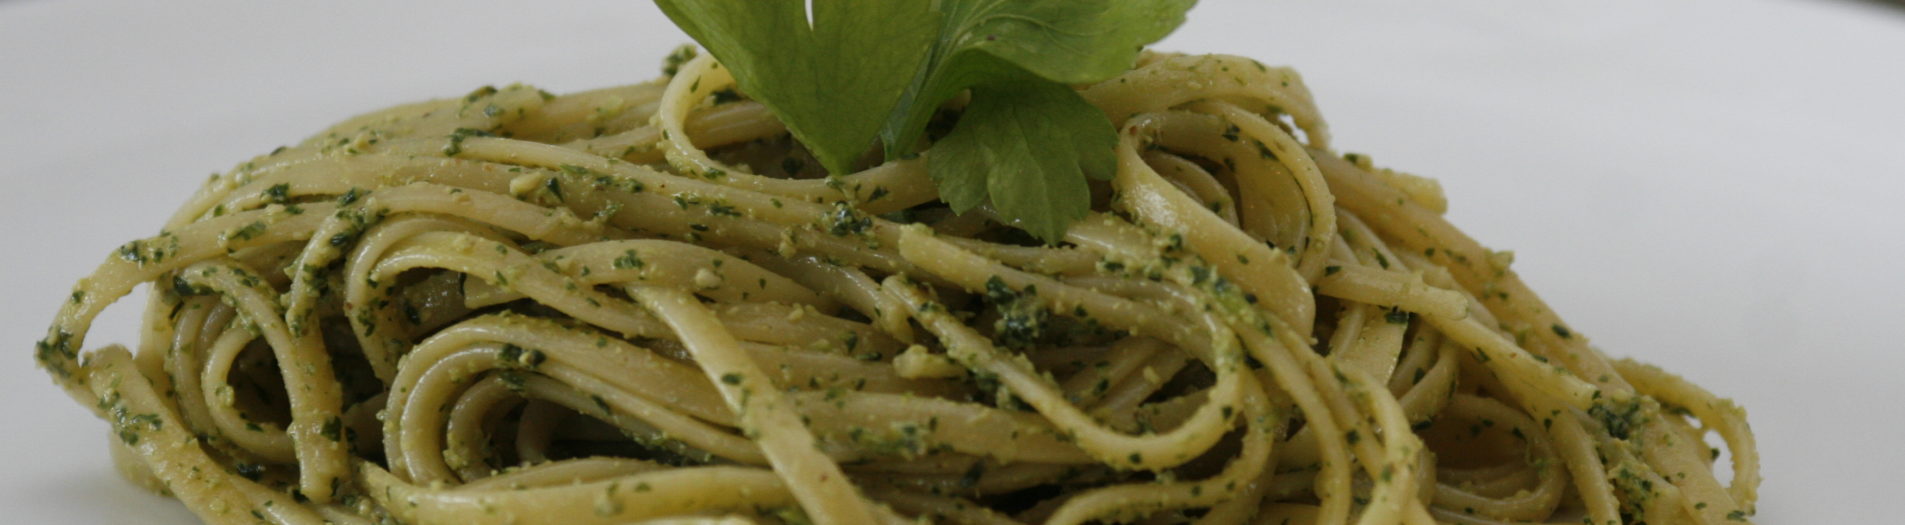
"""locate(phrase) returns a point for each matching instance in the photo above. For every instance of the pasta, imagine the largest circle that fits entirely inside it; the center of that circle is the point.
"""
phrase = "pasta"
(647, 304)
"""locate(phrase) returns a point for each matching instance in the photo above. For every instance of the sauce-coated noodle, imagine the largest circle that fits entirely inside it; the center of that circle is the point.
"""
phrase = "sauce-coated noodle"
(646, 304)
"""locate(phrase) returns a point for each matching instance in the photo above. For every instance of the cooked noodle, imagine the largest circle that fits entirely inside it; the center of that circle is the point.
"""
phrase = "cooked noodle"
(647, 303)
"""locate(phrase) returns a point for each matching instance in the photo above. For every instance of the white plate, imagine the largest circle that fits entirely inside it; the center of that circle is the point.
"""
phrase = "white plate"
(1708, 185)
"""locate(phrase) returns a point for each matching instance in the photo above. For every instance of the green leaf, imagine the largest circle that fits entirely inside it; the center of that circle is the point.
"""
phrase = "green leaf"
(879, 69)
(1067, 41)
(832, 82)
(1027, 145)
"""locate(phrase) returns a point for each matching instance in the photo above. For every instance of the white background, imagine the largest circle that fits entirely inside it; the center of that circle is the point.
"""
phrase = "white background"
(1711, 185)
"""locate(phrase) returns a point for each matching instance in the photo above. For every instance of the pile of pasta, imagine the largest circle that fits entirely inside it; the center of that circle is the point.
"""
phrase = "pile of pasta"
(649, 304)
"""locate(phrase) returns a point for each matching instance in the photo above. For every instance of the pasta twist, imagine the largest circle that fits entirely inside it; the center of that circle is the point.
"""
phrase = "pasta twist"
(645, 304)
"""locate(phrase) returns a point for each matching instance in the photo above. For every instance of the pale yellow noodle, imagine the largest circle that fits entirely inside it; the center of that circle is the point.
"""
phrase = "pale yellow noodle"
(642, 304)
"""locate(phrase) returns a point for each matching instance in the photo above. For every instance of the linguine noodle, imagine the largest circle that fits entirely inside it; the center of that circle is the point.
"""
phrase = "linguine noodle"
(647, 304)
